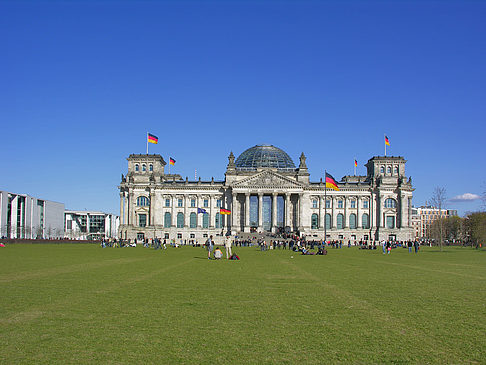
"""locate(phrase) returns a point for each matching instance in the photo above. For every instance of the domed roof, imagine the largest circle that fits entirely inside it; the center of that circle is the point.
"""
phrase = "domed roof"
(264, 156)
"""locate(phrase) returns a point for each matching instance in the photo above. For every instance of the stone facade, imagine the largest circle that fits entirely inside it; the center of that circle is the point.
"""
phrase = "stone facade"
(263, 198)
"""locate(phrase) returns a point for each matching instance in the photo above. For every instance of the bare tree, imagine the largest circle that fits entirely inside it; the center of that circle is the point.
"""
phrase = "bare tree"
(438, 199)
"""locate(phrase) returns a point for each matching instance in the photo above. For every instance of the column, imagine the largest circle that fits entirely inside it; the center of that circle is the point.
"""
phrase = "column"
(186, 218)
(234, 211)
(131, 208)
(274, 212)
(151, 221)
(358, 218)
(172, 210)
(211, 217)
(321, 213)
(300, 211)
(198, 215)
(287, 221)
(260, 211)
(247, 212)
(122, 205)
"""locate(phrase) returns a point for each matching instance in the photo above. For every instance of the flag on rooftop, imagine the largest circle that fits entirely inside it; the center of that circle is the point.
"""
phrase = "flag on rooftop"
(171, 161)
(152, 138)
(355, 163)
(387, 142)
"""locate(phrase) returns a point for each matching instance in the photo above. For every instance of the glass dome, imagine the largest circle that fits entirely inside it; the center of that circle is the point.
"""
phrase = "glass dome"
(264, 156)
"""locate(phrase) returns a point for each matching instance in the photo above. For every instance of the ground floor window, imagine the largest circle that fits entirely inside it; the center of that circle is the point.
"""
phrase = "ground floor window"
(390, 222)
(166, 236)
(314, 221)
(179, 235)
(192, 235)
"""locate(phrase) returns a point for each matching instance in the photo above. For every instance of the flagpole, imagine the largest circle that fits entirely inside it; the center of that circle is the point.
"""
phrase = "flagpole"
(325, 209)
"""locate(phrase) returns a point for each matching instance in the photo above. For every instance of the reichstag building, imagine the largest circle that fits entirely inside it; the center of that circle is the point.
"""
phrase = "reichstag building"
(265, 192)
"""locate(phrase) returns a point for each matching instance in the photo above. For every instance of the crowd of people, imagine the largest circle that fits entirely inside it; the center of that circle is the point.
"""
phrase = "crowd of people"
(290, 242)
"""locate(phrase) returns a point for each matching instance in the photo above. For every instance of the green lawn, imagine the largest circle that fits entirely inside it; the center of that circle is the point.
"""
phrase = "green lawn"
(83, 304)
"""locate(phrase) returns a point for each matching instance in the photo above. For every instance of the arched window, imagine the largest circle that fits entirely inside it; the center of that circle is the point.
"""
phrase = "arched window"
(180, 220)
(340, 221)
(151, 167)
(365, 221)
(328, 221)
(390, 203)
(314, 221)
(388, 170)
(382, 169)
(352, 221)
(143, 201)
(396, 170)
(205, 220)
(167, 220)
(217, 220)
(137, 168)
(144, 167)
(193, 220)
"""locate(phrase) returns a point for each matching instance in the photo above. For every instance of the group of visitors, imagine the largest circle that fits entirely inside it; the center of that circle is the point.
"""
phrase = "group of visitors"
(218, 254)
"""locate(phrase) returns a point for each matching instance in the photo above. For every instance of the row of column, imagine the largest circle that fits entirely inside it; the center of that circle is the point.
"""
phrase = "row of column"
(236, 209)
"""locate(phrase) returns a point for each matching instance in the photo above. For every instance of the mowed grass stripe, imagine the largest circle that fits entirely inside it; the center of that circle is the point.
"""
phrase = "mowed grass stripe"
(390, 327)
(62, 301)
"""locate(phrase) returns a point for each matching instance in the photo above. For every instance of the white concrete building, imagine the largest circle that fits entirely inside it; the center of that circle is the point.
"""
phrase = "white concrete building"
(23, 216)
(90, 225)
(265, 192)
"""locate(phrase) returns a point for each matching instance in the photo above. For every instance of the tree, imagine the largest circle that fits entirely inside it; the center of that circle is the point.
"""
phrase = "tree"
(476, 227)
(438, 199)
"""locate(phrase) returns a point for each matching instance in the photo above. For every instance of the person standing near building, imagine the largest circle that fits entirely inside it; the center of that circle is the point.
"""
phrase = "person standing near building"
(209, 246)
(416, 246)
(227, 245)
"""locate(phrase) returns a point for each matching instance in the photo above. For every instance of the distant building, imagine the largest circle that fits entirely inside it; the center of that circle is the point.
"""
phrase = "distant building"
(23, 216)
(90, 225)
(263, 191)
(423, 217)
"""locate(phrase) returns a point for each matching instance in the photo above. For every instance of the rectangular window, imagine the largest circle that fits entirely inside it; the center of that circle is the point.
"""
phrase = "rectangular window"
(340, 203)
(218, 203)
(365, 204)
(142, 220)
(69, 224)
(353, 204)
(390, 222)
(328, 204)
(179, 235)
(314, 204)
(193, 203)
(206, 203)
(167, 202)
(179, 202)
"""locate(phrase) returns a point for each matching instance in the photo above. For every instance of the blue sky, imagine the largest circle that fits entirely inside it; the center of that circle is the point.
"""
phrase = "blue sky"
(82, 82)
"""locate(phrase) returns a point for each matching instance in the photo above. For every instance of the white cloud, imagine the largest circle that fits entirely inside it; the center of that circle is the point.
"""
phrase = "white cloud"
(467, 197)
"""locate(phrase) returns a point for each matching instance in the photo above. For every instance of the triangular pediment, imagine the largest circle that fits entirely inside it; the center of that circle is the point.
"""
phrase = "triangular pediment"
(268, 180)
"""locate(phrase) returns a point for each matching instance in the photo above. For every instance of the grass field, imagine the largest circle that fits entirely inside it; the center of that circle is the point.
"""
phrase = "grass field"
(83, 304)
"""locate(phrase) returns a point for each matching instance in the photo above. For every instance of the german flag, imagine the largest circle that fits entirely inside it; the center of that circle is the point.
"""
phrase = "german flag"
(224, 211)
(171, 161)
(152, 138)
(355, 163)
(331, 182)
(387, 142)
